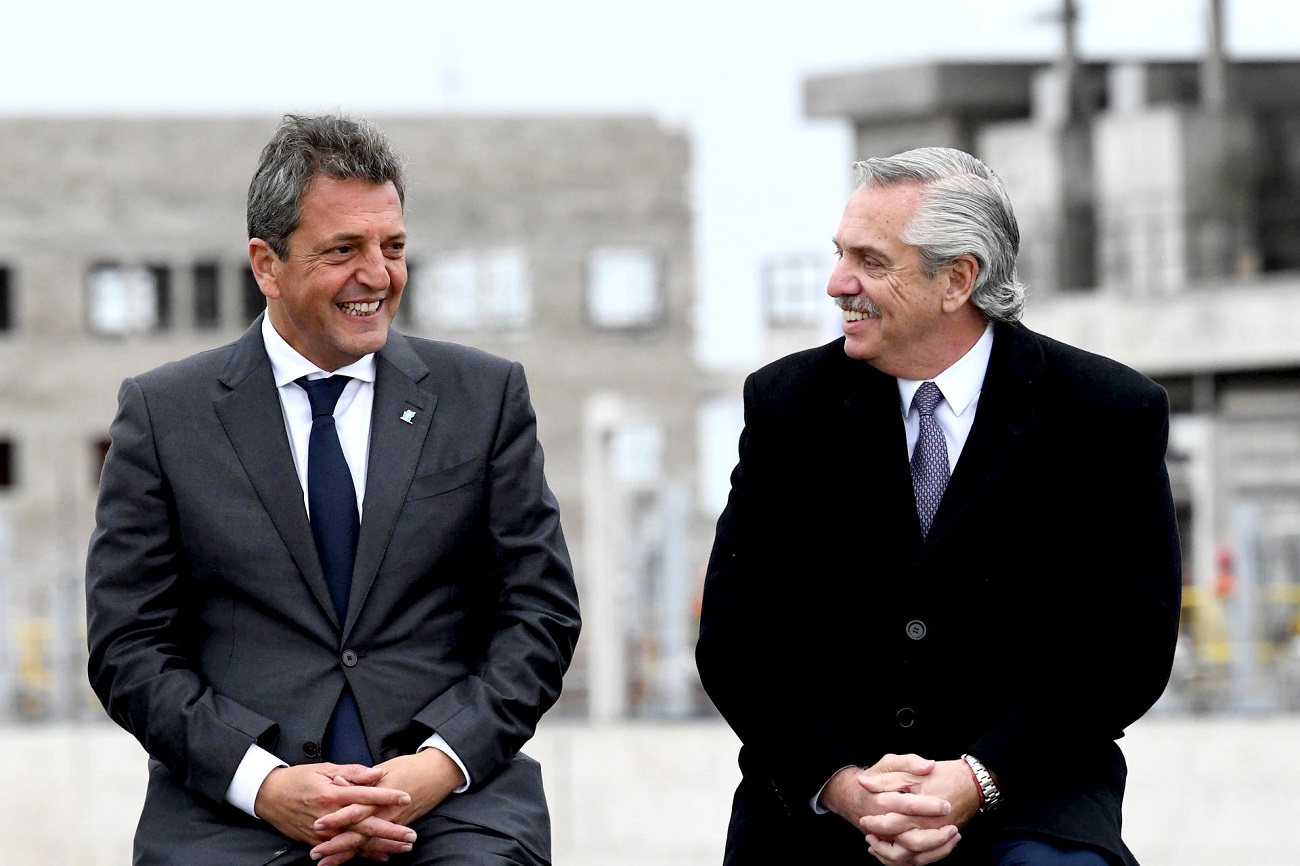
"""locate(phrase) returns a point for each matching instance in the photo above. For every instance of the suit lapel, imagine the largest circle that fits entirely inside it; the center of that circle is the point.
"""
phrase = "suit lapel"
(1003, 419)
(251, 415)
(399, 425)
(873, 424)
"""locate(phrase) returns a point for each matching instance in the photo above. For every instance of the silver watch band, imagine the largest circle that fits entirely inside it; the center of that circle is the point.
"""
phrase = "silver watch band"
(989, 792)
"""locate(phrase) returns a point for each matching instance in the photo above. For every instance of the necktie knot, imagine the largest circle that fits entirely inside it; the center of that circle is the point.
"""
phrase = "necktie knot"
(927, 397)
(323, 393)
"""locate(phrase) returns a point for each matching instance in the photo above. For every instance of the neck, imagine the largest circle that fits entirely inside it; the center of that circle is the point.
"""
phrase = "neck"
(948, 346)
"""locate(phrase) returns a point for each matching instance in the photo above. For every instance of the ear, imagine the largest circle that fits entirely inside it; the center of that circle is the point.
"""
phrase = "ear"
(962, 272)
(263, 261)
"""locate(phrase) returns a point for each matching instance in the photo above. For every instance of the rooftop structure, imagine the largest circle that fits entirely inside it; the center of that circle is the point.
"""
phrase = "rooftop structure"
(1159, 207)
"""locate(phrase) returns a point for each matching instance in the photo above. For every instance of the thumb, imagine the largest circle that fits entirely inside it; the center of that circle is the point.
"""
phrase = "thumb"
(356, 774)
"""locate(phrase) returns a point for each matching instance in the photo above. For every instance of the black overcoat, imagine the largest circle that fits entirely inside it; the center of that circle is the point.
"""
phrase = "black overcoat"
(1035, 623)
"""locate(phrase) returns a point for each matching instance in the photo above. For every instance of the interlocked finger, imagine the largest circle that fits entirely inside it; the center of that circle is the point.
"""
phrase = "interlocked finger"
(917, 805)
(914, 847)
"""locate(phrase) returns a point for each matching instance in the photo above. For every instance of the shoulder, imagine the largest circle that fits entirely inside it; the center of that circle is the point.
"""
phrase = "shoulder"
(187, 374)
(1085, 375)
(1084, 389)
(443, 354)
(451, 367)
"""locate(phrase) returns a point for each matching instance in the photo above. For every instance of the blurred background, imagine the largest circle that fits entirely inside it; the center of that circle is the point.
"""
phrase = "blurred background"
(636, 201)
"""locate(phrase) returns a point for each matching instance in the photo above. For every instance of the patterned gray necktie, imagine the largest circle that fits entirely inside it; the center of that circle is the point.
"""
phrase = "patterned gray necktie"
(929, 458)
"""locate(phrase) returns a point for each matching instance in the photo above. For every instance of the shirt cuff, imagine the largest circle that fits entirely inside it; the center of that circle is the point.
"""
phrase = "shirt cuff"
(816, 801)
(252, 772)
(437, 742)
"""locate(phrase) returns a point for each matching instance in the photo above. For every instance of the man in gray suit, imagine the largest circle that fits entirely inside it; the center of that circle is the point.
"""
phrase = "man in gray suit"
(331, 621)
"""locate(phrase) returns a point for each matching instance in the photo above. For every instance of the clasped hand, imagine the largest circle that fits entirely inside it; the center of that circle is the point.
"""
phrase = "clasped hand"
(348, 810)
(909, 808)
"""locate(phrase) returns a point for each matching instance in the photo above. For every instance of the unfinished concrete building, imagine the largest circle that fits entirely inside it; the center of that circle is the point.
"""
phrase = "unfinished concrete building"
(1159, 206)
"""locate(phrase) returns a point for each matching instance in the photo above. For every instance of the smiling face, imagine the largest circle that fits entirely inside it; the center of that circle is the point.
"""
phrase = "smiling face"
(900, 319)
(333, 297)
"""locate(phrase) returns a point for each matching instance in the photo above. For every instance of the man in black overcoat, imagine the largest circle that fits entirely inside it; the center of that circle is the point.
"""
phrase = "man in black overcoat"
(948, 574)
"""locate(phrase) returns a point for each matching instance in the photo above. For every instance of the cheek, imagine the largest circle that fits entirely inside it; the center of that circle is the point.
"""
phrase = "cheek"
(890, 292)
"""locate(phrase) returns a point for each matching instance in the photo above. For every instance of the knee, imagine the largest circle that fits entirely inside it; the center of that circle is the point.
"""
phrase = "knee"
(1040, 852)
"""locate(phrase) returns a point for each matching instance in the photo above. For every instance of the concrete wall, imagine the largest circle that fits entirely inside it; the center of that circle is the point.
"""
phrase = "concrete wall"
(1226, 325)
(1201, 792)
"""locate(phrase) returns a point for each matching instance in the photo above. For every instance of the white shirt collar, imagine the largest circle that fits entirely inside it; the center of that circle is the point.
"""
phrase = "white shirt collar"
(960, 384)
(288, 366)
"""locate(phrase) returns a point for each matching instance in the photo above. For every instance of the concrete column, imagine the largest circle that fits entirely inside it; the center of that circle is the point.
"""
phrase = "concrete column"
(605, 602)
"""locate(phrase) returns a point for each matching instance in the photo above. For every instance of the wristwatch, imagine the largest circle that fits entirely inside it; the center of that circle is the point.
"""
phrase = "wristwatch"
(990, 796)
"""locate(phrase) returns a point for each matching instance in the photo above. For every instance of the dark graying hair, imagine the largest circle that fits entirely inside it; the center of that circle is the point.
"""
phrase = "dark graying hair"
(964, 210)
(306, 146)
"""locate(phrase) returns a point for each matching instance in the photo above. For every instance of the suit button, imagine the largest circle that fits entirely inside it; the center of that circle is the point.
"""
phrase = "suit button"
(906, 717)
(349, 658)
(916, 629)
(311, 749)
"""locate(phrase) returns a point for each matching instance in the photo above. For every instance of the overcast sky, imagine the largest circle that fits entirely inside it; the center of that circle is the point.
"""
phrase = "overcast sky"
(728, 72)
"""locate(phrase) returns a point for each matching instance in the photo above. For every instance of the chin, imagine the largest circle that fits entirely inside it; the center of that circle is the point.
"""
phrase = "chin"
(370, 341)
(370, 346)
(857, 351)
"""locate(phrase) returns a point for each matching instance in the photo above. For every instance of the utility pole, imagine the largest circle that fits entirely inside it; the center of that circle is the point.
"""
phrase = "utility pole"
(1214, 71)
(1068, 61)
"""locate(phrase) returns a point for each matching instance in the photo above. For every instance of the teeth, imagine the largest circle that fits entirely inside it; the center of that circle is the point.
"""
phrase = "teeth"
(855, 316)
(356, 309)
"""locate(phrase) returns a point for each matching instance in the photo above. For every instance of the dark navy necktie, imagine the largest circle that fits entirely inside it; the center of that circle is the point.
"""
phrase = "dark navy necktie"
(929, 457)
(335, 525)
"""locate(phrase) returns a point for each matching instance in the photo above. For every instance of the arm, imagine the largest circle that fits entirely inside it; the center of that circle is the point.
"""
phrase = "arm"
(140, 638)
(142, 632)
(1112, 654)
(759, 666)
(533, 621)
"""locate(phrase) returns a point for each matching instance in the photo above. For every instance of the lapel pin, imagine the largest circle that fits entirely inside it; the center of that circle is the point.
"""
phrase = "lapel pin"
(409, 416)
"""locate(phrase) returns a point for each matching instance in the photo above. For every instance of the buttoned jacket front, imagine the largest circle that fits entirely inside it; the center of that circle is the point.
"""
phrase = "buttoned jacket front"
(211, 628)
(1030, 627)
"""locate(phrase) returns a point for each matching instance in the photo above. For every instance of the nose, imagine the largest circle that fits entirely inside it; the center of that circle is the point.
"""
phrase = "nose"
(842, 283)
(372, 270)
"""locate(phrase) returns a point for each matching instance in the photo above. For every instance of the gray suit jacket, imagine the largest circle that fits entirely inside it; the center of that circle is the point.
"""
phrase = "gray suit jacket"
(210, 626)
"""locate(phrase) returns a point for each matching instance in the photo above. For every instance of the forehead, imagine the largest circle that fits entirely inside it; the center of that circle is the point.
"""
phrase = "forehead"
(877, 215)
(353, 204)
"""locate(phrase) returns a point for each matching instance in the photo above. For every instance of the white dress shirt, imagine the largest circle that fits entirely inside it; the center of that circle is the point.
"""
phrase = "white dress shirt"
(352, 420)
(960, 385)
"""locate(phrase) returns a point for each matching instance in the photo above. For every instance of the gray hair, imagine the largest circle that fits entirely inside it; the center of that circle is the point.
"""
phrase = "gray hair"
(302, 148)
(964, 210)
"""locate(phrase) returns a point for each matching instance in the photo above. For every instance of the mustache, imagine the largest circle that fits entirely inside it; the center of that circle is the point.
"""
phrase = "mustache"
(857, 305)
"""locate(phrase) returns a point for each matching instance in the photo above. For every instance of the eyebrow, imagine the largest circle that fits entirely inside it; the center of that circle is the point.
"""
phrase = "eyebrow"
(862, 249)
(348, 237)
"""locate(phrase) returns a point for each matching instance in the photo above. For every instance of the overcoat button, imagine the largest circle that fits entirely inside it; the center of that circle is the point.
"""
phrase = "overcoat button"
(916, 629)
(906, 717)
(349, 658)
(311, 749)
